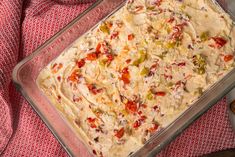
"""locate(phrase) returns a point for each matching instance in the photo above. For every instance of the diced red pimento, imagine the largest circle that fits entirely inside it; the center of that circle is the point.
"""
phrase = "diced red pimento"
(98, 47)
(92, 88)
(138, 122)
(219, 42)
(177, 31)
(91, 122)
(125, 75)
(114, 35)
(181, 64)
(131, 106)
(228, 58)
(160, 93)
(56, 67)
(172, 19)
(75, 76)
(138, 8)
(120, 133)
(158, 2)
(154, 128)
(81, 63)
(131, 37)
(110, 57)
(92, 56)
(128, 61)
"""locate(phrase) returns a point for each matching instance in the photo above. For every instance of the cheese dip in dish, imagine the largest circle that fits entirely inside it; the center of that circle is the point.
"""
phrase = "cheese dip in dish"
(138, 70)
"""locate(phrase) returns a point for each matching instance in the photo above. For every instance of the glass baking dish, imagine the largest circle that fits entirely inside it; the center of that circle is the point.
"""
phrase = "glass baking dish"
(26, 72)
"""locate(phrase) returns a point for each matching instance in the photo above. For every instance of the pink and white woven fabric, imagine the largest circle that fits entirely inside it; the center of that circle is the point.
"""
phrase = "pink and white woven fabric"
(25, 25)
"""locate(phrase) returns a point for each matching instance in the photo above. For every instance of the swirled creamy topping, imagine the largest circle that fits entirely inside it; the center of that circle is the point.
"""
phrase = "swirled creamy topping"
(139, 70)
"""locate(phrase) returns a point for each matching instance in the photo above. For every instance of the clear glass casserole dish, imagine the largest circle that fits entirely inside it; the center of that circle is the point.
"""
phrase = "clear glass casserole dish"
(26, 72)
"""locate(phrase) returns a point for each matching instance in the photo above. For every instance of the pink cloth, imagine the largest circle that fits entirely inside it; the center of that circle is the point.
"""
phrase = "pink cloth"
(25, 25)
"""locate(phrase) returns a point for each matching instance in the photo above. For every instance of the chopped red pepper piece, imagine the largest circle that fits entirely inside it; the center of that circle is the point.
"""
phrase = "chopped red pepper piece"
(160, 93)
(56, 67)
(125, 77)
(128, 61)
(74, 77)
(120, 133)
(92, 88)
(219, 42)
(138, 122)
(181, 64)
(92, 56)
(177, 31)
(228, 58)
(158, 2)
(91, 122)
(131, 106)
(81, 63)
(110, 57)
(154, 128)
(138, 8)
(131, 37)
(172, 19)
(114, 35)
(98, 47)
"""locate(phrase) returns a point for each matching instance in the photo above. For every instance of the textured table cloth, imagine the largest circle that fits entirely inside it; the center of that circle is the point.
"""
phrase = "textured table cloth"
(25, 25)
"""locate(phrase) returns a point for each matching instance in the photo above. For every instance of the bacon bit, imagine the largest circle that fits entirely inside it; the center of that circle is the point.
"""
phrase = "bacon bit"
(128, 61)
(228, 58)
(154, 128)
(131, 106)
(114, 35)
(160, 93)
(92, 88)
(56, 67)
(92, 56)
(125, 76)
(119, 134)
(59, 78)
(81, 63)
(91, 122)
(172, 19)
(219, 42)
(131, 37)
(74, 77)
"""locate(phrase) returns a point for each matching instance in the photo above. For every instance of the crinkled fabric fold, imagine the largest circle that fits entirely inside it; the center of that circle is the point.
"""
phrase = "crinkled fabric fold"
(25, 25)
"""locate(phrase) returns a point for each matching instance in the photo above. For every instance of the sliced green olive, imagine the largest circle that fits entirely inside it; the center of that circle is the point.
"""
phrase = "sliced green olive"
(104, 28)
(141, 59)
(145, 71)
(200, 64)
(205, 36)
(149, 95)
